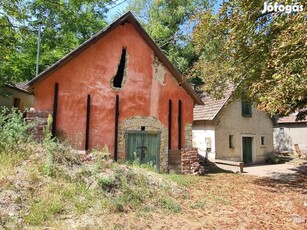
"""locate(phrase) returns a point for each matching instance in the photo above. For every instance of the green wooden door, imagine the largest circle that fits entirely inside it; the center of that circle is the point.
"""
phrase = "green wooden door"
(247, 150)
(143, 147)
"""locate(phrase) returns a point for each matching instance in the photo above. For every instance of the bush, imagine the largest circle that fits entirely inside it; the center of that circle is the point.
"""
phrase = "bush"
(272, 158)
(13, 130)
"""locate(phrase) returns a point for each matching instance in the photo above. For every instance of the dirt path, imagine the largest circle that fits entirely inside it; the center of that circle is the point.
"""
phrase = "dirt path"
(277, 171)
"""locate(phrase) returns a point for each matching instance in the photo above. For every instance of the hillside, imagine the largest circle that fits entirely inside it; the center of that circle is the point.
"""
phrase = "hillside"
(52, 186)
(101, 194)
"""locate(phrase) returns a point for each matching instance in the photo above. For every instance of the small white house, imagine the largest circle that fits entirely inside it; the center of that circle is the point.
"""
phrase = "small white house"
(18, 97)
(289, 132)
(232, 130)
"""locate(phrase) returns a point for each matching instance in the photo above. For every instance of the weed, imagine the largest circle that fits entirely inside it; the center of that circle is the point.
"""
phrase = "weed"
(182, 180)
(106, 183)
(13, 130)
(170, 205)
(44, 208)
(197, 205)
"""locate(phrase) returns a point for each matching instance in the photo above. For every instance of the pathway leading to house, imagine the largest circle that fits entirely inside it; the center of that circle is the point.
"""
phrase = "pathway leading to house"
(277, 171)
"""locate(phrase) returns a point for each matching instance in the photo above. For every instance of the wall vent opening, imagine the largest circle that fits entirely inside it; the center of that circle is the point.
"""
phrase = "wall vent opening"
(118, 79)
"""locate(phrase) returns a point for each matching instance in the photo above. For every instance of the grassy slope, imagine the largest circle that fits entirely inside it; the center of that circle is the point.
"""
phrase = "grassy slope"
(65, 193)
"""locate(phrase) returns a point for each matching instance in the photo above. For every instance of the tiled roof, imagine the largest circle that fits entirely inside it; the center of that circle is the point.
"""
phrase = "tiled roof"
(289, 119)
(22, 85)
(211, 107)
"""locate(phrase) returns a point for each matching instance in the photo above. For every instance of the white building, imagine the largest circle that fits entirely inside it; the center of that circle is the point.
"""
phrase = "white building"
(232, 130)
(288, 132)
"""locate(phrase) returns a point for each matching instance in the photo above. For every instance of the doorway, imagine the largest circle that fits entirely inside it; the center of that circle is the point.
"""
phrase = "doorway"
(247, 149)
(143, 147)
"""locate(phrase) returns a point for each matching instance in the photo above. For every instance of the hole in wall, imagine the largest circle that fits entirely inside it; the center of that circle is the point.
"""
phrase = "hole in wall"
(118, 79)
(142, 128)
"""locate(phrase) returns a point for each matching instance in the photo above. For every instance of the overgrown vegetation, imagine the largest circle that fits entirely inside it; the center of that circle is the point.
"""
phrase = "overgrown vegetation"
(56, 180)
(15, 143)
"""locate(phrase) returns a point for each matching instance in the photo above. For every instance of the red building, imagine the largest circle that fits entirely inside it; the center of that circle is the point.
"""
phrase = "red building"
(118, 89)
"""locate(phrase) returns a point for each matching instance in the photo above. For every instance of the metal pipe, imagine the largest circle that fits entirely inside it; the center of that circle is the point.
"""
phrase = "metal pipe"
(38, 47)
(116, 126)
(87, 129)
(55, 108)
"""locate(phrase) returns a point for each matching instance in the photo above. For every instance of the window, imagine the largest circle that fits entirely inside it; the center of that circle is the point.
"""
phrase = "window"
(16, 102)
(246, 109)
(281, 131)
(262, 140)
(231, 145)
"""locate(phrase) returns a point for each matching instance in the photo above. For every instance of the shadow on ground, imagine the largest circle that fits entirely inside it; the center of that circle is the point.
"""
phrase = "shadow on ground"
(282, 182)
(212, 168)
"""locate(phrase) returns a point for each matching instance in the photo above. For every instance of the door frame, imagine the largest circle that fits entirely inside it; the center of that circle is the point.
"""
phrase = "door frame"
(253, 147)
(158, 133)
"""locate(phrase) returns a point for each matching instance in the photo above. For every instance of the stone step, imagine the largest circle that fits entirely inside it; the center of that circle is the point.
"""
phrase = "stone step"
(174, 171)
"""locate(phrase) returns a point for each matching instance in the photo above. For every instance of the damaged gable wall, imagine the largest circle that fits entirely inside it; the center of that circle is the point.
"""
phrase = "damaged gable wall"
(146, 89)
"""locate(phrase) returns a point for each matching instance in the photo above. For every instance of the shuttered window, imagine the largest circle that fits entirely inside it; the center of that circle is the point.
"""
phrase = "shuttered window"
(246, 109)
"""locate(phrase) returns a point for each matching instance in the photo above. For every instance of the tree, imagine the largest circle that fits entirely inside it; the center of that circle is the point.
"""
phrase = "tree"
(262, 54)
(168, 24)
(65, 25)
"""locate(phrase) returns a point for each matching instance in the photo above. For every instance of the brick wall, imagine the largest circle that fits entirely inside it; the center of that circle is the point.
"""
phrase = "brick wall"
(189, 156)
(38, 120)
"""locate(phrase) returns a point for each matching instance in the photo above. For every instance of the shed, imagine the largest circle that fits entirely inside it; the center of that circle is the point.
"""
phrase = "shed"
(119, 89)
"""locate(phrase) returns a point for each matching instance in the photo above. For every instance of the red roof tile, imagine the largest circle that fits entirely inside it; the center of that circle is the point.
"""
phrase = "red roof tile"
(211, 107)
(289, 119)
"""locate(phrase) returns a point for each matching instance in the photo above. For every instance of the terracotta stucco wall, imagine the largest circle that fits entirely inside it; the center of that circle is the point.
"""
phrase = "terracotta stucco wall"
(146, 91)
(231, 122)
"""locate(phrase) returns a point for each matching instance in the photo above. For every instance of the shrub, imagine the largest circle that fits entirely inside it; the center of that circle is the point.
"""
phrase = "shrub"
(13, 130)
(272, 158)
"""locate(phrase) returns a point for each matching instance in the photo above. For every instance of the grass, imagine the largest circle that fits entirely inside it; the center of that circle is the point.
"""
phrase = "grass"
(8, 160)
(120, 196)
(182, 180)
(71, 188)
(48, 185)
(170, 205)
(60, 196)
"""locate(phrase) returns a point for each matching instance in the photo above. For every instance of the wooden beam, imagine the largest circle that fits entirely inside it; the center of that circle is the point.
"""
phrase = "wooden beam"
(55, 109)
(169, 124)
(87, 129)
(179, 123)
(116, 126)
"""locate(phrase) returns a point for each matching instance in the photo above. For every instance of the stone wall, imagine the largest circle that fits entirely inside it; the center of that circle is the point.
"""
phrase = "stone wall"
(189, 156)
(38, 120)
(188, 135)
(150, 124)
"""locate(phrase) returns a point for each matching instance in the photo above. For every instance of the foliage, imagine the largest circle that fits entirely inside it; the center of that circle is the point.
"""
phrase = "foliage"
(263, 55)
(13, 130)
(15, 142)
(272, 158)
(50, 145)
(167, 22)
(171, 205)
(182, 180)
(57, 152)
(65, 25)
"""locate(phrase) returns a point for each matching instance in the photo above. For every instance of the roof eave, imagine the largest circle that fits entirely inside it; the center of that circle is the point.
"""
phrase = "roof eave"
(128, 17)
